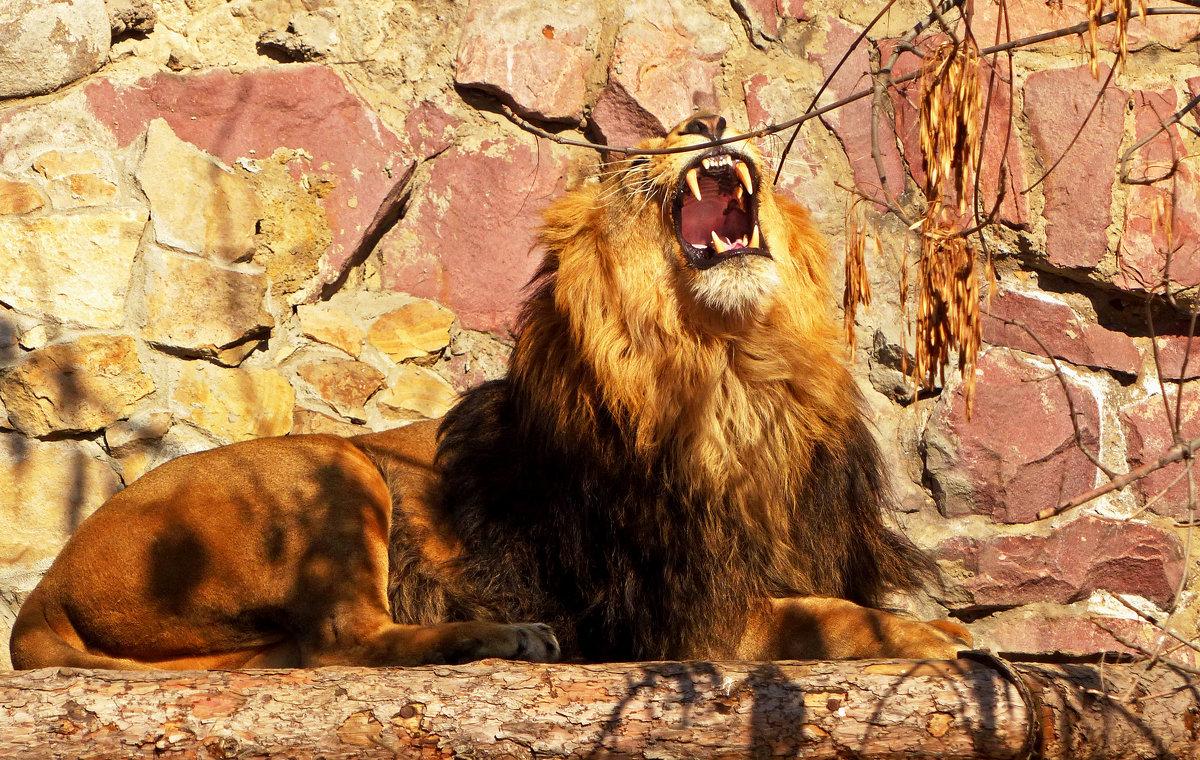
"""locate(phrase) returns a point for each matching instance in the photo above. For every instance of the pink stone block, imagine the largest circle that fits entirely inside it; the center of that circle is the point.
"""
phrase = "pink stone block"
(1148, 436)
(1085, 555)
(1064, 332)
(468, 239)
(1017, 453)
(1079, 190)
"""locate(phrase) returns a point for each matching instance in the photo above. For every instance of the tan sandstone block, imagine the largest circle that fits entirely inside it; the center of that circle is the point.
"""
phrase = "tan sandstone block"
(46, 490)
(412, 331)
(417, 392)
(233, 404)
(71, 267)
(331, 326)
(78, 190)
(19, 197)
(345, 384)
(197, 205)
(306, 421)
(56, 164)
(196, 305)
(75, 387)
(138, 429)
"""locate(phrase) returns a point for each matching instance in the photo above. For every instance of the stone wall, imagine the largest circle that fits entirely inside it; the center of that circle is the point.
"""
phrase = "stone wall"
(228, 219)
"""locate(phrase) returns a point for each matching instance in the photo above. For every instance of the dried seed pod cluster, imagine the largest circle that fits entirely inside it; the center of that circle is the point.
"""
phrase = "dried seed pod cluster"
(858, 287)
(951, 108)
(947, 308)
(1095, 10)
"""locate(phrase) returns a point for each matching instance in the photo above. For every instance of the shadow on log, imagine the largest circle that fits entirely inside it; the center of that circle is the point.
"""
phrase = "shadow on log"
(517, 711)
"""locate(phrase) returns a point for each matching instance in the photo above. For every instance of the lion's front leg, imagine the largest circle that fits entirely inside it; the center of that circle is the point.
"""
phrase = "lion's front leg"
(820, 628)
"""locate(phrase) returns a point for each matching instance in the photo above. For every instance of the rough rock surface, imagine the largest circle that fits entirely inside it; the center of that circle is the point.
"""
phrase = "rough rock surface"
(1172, 205)
(46, 489)
(346, 154)
(344, 384)
(413, 331)
(468, 240)
(197, 205)
(233, 404)
(1075, 559)
(536, 61)
(1005, 467)
(200, 307)
(1148, 436)
(71, 267)
(417, 394)
(1060, 329)
(44, 46)
(75, 387)
(332, 326)
(1079, 190)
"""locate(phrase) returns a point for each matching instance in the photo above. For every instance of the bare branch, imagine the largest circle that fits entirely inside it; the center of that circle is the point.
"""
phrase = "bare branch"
(1176, 453)
(1074, 413)
(771, 129)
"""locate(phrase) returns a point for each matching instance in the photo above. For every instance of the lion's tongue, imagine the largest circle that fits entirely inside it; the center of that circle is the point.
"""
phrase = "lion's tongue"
(701, 219)
(715, 214)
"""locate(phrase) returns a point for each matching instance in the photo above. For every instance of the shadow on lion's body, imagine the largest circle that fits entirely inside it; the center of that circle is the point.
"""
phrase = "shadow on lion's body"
(676, 466)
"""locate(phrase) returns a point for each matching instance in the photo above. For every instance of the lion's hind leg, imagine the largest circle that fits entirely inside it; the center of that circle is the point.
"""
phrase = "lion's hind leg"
(815, 627)
(339, 609)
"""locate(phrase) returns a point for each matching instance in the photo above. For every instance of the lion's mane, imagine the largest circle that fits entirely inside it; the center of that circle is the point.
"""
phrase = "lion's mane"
(651, 466)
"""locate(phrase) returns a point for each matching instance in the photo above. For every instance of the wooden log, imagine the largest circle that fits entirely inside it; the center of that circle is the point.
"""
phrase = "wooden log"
(517, 711)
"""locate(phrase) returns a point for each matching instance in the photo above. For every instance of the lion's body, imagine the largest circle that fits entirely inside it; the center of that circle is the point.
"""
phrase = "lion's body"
(676, 466)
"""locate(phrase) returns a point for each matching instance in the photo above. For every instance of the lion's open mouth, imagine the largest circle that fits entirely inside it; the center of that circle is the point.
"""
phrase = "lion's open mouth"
(716, 209)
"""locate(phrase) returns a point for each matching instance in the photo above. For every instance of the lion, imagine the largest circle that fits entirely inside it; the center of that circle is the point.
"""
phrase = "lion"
(676, 466)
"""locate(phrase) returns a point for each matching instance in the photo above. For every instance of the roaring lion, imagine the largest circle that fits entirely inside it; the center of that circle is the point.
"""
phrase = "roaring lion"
(677, 466)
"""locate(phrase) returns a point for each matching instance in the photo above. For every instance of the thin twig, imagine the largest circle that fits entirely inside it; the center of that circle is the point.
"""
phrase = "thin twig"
(1075, 414)
(1176, 453)
(771, 129)
(1163, 127)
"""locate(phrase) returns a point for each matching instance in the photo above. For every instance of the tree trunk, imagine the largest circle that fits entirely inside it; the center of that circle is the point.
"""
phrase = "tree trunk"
(515, 711)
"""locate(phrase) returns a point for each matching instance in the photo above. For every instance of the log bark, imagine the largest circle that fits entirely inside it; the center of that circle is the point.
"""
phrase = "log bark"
(517, 711)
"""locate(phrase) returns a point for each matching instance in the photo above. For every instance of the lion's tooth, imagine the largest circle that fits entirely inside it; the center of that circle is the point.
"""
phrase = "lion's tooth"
(755, 241)
(693, 182)
(743, 173)
(719, 245)
(740, 192)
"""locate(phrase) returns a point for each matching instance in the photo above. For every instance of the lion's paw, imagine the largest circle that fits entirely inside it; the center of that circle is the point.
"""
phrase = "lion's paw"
(534, 642)
(935, 640)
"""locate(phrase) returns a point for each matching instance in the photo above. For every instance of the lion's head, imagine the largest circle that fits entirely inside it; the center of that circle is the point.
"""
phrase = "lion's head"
(724, 225)
(726, 242)
(697, 302)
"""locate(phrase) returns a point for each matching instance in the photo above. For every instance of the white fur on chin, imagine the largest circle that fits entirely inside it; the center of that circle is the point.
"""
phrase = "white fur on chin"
(738, 286)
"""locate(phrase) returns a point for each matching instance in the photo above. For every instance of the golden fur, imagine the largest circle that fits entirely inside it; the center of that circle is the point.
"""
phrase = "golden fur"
(676, 467)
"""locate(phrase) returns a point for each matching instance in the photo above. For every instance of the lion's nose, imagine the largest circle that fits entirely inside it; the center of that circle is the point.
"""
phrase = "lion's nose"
(709, 125)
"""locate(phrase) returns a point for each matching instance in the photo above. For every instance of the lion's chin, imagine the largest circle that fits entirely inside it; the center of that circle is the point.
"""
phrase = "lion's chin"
(740, 286)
